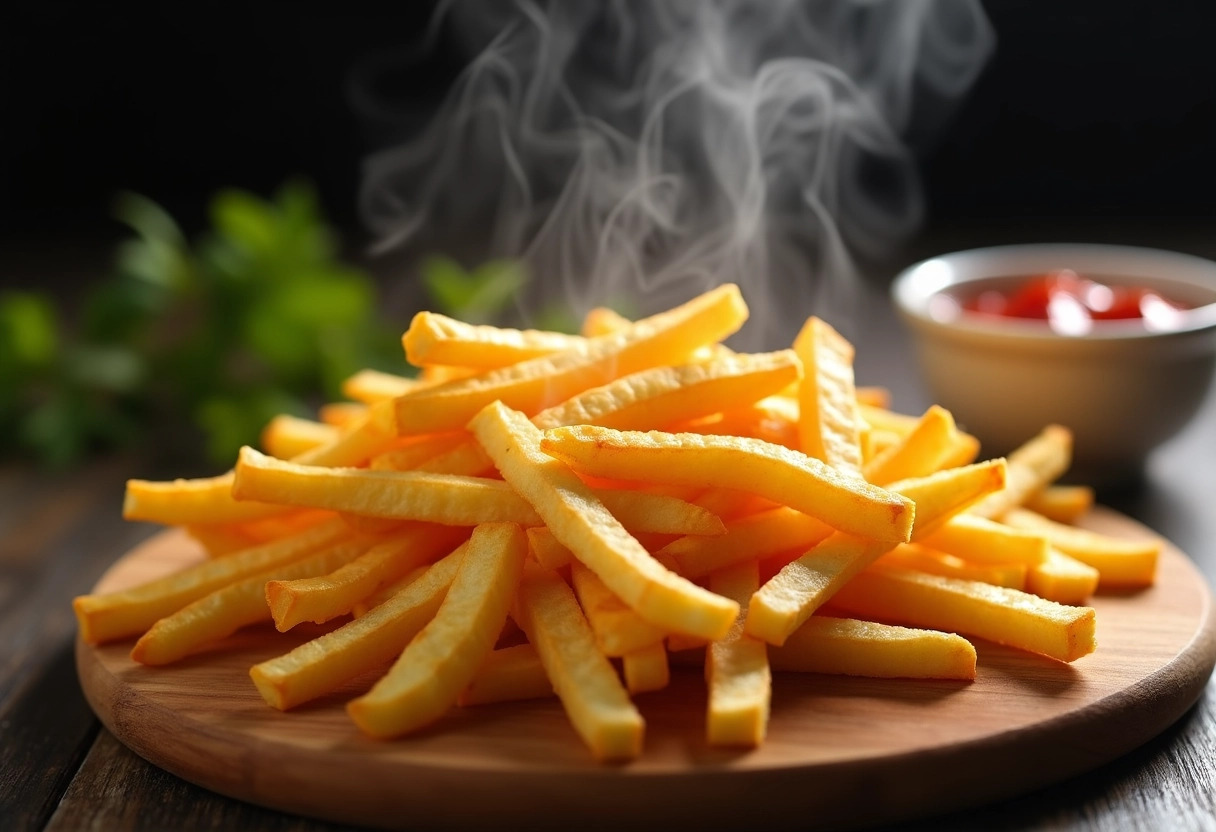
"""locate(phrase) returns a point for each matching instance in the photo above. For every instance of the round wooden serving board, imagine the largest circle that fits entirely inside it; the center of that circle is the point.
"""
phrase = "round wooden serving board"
(841, 752)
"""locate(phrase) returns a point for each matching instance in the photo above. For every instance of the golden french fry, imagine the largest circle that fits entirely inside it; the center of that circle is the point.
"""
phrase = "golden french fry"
(1006, 616)
(928, 447)
(507, 675)
(604, 321)
(1032, 467)
(361, 645)
(342, 414)
(981, 540)
(1062, 503)
(442, 659)
(753, 537)
(437, 339)
(581, 522)
(319, 598)
(372, 386)
(772, 471)
(286, 436)
(230, 608)
(829, 426)
(737, 669)
(591, 693)
(132, 611)
(646, 669)
(618, 629)
(916, 556)
(667, 338)
(1119, 562)
(1062, 578)
(850, 647)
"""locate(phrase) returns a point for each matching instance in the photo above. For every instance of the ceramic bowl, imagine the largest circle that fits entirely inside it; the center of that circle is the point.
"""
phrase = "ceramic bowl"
(1123, 387)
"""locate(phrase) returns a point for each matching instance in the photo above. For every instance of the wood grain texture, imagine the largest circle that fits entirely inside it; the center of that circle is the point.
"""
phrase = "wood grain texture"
(841, 752)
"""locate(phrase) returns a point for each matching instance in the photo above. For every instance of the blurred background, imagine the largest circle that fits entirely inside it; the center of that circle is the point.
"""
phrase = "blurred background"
(1086, 121)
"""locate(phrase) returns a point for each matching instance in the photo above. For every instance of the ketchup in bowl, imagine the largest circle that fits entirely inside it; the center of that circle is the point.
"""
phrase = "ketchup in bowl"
(1071, 304)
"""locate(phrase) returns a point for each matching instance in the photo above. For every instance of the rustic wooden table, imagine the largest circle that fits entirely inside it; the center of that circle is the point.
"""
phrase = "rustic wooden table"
(60, 770)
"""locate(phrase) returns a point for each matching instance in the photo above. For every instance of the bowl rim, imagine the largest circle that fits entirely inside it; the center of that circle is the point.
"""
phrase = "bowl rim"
(914, 286)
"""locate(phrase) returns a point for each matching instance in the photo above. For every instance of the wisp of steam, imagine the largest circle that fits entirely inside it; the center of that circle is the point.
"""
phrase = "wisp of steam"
(635, 152)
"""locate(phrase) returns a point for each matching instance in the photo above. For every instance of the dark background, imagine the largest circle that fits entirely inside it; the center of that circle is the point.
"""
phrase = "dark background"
(1088, 112)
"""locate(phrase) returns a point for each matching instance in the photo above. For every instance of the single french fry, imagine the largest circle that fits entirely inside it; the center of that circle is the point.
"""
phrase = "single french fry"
(618, 629)
(582, 523)
(829, 426)
(1032, 467)
(1062, 503)
(372, 386)
(1119, 562)
(319, 598)
(425, 682)
(662, 395)
(923, 450)
(753, 537)
(131, 611)
(604, 321)
(737, 669)
(803, 585)
(980, 540)
(384, 593)
(364, 644)
(228, 609)
(437, 339)
(646, 669)
(530, 386)
(772, 471)
(874, 396)
(916, 556)
(1006, 616)
(591, 693)
(342, 414)
(1062, 578)
(508, 674)
(850, 647)
(286, 436)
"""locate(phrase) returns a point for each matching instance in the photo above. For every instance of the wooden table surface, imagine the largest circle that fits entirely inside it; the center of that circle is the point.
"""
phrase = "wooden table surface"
(60, 770)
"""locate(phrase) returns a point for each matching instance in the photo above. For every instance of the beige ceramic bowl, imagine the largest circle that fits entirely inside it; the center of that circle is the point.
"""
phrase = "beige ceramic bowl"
(1122, 388)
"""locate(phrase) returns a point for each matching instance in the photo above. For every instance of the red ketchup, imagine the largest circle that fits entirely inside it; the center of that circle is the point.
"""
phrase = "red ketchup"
(1071, 304)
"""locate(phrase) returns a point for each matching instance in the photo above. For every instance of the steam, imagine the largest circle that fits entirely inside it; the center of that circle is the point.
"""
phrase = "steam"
(640, 151)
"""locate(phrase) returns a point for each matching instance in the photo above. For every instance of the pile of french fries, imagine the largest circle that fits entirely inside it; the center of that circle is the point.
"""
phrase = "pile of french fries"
(539, 514)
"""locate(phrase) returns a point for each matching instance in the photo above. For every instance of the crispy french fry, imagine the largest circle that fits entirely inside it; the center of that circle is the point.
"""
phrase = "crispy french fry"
(507, 675)
(772, 471)
(361, 645)
(1031, 468)
(1119, 562)
(791, 596)
(980, 540)
(230, 608)
(440, 662)
(829, 427)
(1062, 503)
(597, 704)
(925, 449)
(1062, 578)
(646, 669)
(132, 611)
(850, 647)
(286, 436)
(667, 338)
(737, 669)
(581, 522)
(1006, 616)
(618, 629)
(915, 556)
(437, 339)
(322, 597)
(372, 386)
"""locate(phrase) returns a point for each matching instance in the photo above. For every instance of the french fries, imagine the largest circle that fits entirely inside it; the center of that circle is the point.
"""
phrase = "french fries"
(457, 536)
